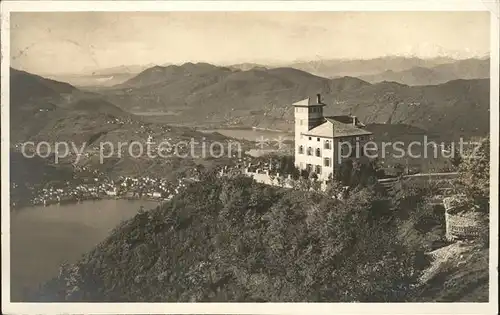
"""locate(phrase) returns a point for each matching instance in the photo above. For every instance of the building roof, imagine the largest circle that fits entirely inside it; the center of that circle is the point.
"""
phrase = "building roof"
(345, 119)
(337, 127)
(324, 130)
(310, 101)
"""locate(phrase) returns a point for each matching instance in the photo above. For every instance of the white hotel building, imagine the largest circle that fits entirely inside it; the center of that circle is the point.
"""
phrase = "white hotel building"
(318, 138)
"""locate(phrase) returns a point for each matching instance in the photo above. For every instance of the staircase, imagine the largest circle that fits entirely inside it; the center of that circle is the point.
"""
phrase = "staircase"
(389, 184)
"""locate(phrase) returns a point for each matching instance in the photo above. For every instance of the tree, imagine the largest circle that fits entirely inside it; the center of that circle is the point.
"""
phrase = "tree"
(456, 158)
(474, 175)
(357, 173)
(304, 174)
(333, 187)
(295, 173)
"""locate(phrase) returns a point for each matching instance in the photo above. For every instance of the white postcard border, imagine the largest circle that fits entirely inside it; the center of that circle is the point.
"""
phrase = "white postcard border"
(251, 308)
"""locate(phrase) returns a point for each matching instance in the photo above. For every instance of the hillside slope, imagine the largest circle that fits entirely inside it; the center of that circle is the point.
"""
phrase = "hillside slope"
(47, 110)
(24, 86)
(170, 74)
(235, 240)
(231, 239)
(78, 117)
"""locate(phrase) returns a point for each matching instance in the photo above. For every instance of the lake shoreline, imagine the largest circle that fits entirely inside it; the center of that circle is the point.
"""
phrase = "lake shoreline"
(42, 238)
(251, 134)
(243, 128)
(79, 201)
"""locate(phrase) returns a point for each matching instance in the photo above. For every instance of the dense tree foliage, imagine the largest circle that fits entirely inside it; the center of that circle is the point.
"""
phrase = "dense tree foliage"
(357, 172)
(474, 175)
(281, 164)
(235, 240)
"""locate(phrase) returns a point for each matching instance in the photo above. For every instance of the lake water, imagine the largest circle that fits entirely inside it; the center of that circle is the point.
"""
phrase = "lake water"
(266, 140)
(252, 134)
(153, 113)
(44, 237)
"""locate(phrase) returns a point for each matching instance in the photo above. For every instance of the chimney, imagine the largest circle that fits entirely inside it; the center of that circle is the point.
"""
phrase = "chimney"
(318, 98)
(354, 119)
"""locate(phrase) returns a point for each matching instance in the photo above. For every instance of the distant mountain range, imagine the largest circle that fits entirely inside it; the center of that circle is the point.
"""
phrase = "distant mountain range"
(462, 69)
(359, 67)
(405, 70)
(204, 94)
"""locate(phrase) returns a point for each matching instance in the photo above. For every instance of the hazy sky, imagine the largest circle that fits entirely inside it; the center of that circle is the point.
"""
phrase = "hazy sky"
(84, 41)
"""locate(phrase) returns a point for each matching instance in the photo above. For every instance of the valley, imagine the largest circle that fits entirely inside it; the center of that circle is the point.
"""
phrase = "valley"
(178, 103)
(210, 96)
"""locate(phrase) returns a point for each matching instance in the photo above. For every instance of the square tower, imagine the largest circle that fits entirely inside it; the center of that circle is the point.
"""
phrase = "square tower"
(308, 115)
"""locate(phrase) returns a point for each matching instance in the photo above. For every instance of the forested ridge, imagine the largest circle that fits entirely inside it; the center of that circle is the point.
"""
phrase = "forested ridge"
(231, 239)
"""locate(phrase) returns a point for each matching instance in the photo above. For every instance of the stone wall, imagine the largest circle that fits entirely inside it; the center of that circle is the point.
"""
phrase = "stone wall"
(276, 179)
(462, 223)
(465, 226)
(265, 177)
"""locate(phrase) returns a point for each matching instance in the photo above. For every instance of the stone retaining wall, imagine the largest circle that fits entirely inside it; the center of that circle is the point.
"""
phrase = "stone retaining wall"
(276, 179)
(462, 223)
(469, 226)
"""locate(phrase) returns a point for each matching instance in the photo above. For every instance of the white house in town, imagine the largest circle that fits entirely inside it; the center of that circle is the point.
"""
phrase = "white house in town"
(318, 138)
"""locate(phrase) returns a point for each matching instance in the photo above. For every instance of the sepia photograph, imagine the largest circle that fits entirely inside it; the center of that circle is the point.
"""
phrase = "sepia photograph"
(272, 155)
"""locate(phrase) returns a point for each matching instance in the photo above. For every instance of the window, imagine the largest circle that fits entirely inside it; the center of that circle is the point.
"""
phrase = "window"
(310, 138)
(326, 162)
(308, 168)
(318, 169)
(301, 149)
(318, 152)
(318, 139)
(327, 145)
(309, 151)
